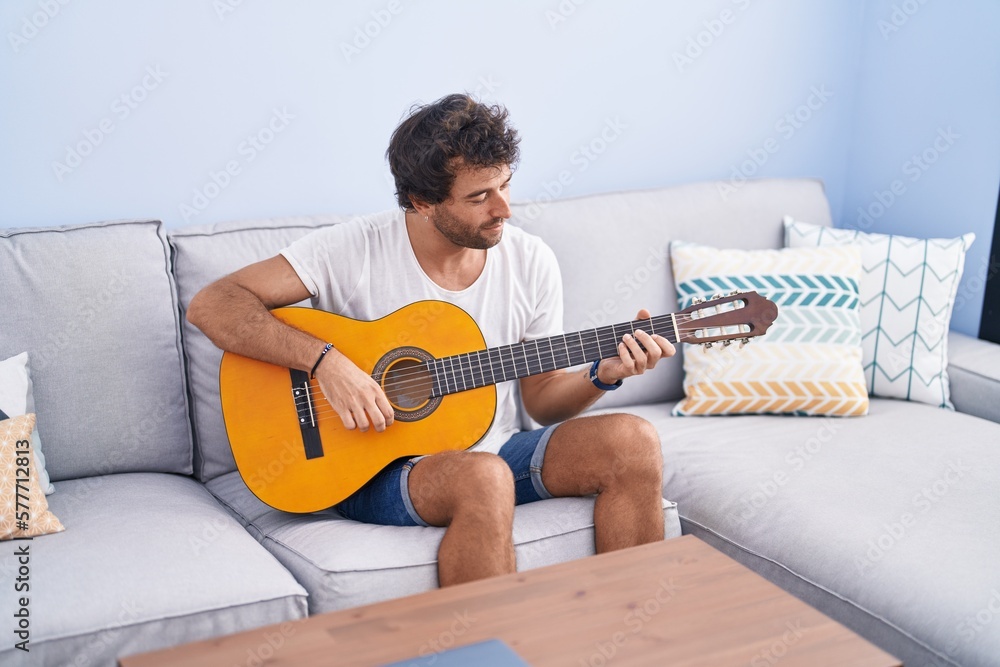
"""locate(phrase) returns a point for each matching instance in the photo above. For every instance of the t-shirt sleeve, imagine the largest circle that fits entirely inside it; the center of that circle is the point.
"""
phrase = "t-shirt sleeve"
(548, 315)
(330, 262)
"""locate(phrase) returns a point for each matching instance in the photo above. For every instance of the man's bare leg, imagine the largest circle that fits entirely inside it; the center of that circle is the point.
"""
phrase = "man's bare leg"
(618, 457)
(472, 494)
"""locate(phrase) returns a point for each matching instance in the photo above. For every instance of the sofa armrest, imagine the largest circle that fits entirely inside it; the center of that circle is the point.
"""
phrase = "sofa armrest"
(974, 372)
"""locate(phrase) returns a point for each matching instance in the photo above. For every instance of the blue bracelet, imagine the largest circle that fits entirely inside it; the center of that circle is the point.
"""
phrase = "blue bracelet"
(597, 381)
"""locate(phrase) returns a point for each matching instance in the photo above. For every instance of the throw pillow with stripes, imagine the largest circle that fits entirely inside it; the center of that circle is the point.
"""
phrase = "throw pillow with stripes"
(809, 361)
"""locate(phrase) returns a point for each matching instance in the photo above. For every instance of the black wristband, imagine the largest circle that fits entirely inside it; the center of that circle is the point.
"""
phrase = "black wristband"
(312, 373)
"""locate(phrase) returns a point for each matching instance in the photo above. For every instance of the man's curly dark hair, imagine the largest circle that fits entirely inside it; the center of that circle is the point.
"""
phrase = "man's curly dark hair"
(437, 139)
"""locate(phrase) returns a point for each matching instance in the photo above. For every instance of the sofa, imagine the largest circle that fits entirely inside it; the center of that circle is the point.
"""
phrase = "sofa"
(164, 543)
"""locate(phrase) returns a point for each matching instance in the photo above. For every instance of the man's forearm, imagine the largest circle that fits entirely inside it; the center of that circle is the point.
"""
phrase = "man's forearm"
(564, 396)
(237, 321)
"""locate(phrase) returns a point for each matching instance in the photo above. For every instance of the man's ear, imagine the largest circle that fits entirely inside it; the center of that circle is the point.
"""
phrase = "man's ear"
(422, 208)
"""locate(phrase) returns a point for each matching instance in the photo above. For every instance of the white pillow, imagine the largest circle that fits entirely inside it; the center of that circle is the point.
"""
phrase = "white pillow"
(15, 400)
(907, 294)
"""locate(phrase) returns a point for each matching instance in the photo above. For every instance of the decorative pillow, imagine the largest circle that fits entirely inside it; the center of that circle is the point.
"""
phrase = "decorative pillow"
(24, 511)
(808, 362)
(907, 294)
(16, 399)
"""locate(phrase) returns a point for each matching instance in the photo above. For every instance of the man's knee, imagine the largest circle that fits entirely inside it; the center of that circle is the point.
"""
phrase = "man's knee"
(484, 474)
(465, 482)
(634, 447)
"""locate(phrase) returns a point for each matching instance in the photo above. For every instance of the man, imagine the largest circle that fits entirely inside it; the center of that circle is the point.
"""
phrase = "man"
(452, 163)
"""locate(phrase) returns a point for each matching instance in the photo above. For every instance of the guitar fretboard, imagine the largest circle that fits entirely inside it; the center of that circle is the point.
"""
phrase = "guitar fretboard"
(472, 370)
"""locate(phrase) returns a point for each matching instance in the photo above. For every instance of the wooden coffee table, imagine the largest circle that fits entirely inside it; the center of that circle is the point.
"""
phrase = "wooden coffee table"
(677, 602)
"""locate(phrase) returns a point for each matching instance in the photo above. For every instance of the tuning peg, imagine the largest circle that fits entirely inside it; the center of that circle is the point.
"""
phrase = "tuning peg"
(717, 295)
(696, 300)
(744, 341)
(708, 346)
(727, 343)
(734, 292)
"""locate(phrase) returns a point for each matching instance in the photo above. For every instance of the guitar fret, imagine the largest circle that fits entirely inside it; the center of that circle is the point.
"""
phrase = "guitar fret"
(592, 348)
(562, 357)
(435, 382)
(467, 370)
(538, 357)
(451, 372)
(513, 366)
(576, 357)
(520, 356)
(482, 375)
(493, 365)
(552, 354)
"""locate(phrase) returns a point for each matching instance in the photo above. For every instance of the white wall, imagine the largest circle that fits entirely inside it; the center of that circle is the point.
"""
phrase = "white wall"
(628, 78)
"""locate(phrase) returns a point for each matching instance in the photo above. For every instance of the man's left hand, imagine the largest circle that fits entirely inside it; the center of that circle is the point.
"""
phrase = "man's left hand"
(636, 354)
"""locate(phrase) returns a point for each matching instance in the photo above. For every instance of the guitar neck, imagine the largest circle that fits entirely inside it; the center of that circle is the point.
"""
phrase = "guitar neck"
(482, 368)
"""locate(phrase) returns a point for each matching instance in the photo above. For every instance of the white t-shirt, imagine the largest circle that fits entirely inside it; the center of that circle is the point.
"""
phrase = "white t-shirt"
(366, 269)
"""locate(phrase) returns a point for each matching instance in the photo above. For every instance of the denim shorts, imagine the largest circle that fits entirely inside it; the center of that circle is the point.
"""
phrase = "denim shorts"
(385, 499)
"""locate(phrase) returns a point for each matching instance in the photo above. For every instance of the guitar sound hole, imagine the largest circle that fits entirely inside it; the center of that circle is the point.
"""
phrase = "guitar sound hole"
(408, 384)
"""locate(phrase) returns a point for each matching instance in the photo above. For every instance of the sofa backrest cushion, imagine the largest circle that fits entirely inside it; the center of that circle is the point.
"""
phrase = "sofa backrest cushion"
(96, 310)
(202, 254)
(613, 250)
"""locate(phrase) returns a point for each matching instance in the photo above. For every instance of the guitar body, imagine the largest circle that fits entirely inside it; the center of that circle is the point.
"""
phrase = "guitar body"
(264, 416)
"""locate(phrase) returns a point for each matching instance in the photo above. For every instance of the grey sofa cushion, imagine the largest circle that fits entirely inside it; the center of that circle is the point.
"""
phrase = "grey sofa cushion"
(887, 523)
(147, 561)
(609, 275)
(202, 254)
(94, 307)
(343, 563)
(974, 372)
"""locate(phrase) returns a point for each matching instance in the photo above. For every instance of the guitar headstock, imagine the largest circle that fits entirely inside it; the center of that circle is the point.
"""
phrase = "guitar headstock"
(738, 316)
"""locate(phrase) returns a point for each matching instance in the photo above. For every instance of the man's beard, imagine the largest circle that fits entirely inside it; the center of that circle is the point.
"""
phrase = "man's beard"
(459, 234)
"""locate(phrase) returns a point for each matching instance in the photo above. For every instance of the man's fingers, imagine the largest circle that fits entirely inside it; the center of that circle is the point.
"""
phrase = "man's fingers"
(362, 419)
(389, 416)
(638, 356)
(653, 352)
(666, 347)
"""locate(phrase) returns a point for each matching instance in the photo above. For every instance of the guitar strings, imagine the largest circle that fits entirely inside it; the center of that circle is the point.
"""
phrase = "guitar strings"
(405, 379)
(408, 379)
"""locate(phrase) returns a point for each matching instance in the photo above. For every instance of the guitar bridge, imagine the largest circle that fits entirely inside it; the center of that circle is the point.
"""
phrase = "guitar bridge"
(306, 411)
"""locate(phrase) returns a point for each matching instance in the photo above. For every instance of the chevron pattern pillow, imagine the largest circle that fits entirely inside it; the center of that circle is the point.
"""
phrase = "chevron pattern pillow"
(809, 361)
(907, 294)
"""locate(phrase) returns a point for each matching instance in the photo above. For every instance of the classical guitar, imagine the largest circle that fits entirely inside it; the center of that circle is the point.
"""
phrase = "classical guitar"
(293, 451)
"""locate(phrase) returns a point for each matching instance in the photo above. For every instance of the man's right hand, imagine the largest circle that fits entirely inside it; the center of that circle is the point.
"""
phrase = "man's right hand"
(355, 396)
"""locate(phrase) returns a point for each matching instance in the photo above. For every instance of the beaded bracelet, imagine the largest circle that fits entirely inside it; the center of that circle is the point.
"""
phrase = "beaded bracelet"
(312, 373)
